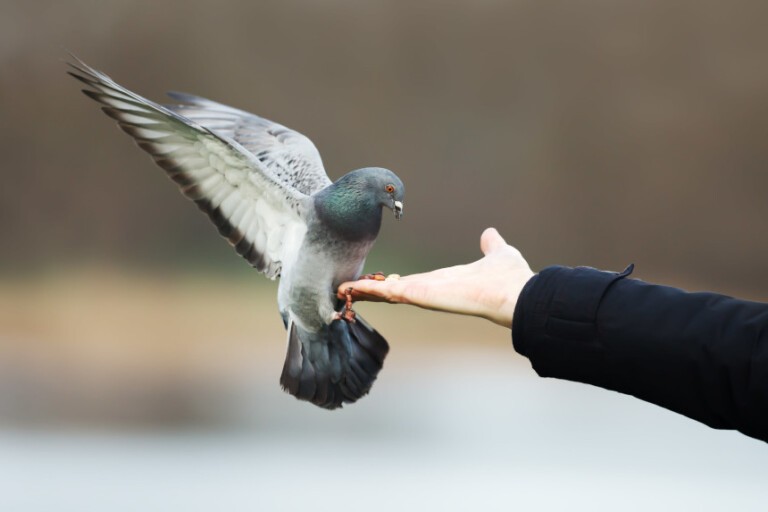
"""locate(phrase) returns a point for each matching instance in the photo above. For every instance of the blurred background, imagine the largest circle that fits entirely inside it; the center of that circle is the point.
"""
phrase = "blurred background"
(140, 356)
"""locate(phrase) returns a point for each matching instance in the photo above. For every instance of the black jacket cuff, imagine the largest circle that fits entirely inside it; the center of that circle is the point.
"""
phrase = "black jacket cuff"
(556, 316)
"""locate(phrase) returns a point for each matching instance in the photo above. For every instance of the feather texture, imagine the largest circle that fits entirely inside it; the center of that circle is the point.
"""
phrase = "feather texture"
(258, 210)
(288, 154)
(334, 366)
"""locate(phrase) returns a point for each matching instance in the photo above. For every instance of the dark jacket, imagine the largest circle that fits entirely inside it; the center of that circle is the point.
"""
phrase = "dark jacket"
(703, 355)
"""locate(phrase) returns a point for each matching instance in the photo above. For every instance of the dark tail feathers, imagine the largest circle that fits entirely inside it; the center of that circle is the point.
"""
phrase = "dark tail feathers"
(334, 366)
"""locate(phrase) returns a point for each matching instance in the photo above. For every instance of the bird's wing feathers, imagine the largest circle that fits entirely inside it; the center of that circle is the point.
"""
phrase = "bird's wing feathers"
(287, 153)
(258, 210)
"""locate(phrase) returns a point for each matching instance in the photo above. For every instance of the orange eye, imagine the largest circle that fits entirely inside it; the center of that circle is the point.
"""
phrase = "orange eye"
(389, 188)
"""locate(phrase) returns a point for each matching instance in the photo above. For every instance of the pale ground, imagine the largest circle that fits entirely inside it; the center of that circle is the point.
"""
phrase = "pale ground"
(130, 392)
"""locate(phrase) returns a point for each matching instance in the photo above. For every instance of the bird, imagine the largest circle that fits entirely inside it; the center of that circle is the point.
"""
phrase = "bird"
(264, 187)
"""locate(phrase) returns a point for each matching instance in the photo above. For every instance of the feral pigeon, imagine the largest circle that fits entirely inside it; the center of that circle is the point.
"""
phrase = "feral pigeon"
(264, 187)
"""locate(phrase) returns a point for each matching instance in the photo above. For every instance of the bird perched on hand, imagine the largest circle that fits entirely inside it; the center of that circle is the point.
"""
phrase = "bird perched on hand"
(264, 187)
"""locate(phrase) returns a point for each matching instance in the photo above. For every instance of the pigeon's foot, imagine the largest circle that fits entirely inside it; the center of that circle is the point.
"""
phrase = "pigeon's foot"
(376, 276)
(347, 314)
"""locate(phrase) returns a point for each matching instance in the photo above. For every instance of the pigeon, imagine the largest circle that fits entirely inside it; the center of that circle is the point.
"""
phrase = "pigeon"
(264, 187)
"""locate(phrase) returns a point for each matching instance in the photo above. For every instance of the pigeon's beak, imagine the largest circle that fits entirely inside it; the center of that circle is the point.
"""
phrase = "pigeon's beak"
(398, 209)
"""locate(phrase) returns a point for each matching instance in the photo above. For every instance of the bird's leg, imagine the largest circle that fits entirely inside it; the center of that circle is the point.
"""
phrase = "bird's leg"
(376, 276)
(348, 314)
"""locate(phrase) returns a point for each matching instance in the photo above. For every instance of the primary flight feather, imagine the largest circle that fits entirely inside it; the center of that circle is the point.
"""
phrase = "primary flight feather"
(264, 187)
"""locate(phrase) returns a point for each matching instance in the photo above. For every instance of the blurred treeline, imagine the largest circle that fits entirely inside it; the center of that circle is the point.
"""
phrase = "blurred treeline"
(589, 132)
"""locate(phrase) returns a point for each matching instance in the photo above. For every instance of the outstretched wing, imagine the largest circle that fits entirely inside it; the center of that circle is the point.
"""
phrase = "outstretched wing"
(260, 212)
(288, 154)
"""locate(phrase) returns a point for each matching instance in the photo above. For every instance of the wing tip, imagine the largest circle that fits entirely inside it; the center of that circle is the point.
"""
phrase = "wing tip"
(83, 72)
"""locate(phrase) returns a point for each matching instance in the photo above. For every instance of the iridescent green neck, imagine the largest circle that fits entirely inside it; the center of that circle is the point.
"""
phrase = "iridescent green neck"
(349, 210)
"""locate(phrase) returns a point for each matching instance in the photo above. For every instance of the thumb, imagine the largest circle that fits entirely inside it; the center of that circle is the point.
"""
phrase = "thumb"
(491, 241)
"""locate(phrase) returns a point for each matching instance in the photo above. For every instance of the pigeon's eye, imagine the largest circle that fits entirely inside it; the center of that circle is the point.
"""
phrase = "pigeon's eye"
(389, 188)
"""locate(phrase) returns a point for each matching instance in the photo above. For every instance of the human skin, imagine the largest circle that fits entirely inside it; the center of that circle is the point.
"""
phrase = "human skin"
(487, 288)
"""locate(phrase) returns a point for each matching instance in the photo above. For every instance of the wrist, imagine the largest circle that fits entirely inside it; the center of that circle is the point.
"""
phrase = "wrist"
(505, 314)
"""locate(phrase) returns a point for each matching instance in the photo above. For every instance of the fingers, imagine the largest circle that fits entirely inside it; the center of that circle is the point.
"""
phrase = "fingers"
(366, 290)
(358, 295)
(491, 241)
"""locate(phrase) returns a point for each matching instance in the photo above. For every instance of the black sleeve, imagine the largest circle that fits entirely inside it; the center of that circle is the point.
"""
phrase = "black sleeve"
(703, 355)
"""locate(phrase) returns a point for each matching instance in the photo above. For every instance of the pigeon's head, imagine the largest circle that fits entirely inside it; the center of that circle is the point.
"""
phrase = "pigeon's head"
(352, 206)
(386, 187)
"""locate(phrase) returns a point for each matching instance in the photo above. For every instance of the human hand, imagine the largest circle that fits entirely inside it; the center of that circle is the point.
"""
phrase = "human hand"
(488, 288)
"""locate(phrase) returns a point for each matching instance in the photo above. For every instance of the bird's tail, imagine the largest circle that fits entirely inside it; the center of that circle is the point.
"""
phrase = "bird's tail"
(334, 366)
